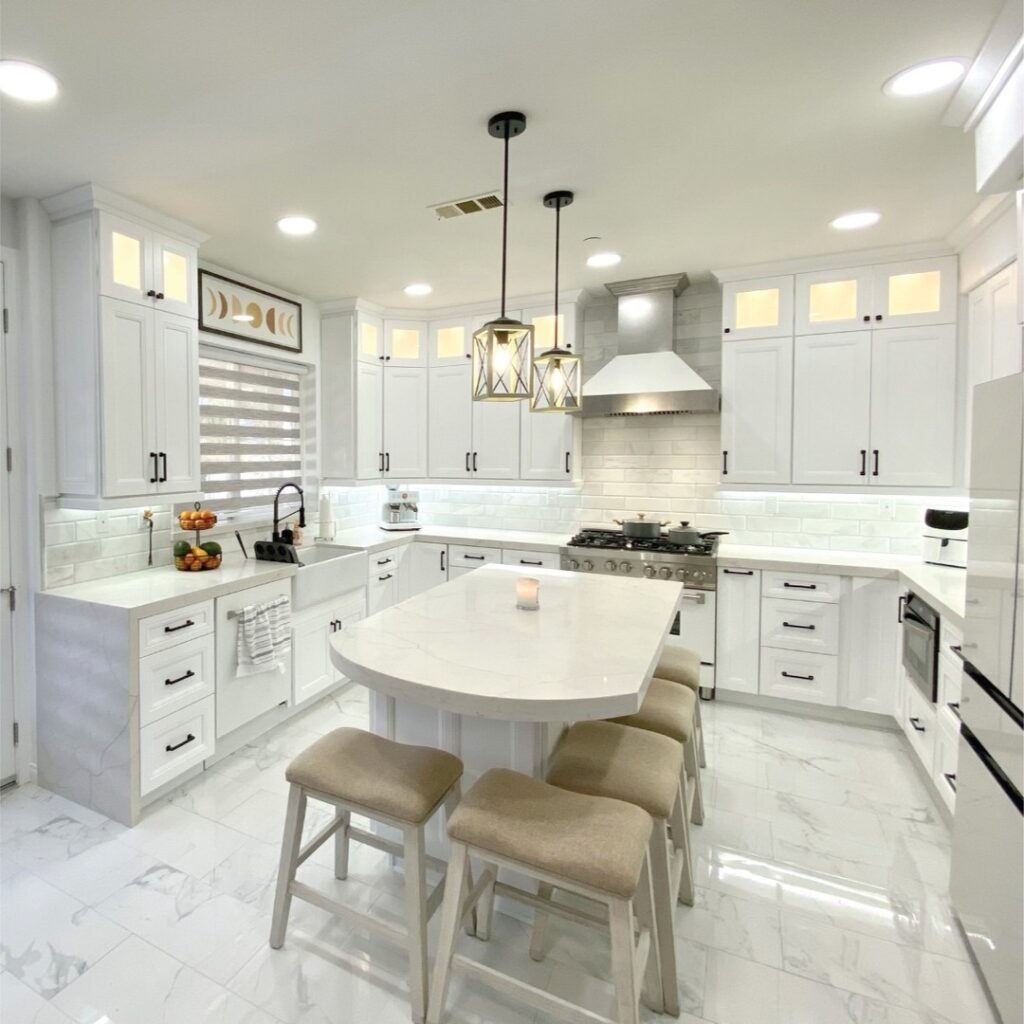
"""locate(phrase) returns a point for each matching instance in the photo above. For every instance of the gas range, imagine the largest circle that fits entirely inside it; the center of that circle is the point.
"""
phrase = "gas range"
(610, 552)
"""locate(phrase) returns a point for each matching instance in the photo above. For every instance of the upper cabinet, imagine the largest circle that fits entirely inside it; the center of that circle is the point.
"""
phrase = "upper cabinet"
(760, 308)
(405, 343)
(915, 293)
(833, 300)
(449, 343)
(368, 338)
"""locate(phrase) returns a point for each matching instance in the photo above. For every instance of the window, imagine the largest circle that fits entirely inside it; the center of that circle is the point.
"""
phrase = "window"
(250, 429)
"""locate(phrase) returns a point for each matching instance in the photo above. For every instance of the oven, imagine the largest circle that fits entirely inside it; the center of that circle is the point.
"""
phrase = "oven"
(694, 627)
(921, 645)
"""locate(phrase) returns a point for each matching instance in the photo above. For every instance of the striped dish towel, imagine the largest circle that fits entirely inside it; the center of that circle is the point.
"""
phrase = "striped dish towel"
(264, 636)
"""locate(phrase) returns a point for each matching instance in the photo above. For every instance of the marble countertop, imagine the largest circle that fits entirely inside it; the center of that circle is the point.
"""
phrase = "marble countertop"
(813, 560)
(942, 586)
(588, 652)
(373, 538)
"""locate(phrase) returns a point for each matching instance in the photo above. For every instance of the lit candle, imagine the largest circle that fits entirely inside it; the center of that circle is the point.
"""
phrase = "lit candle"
(528, 593)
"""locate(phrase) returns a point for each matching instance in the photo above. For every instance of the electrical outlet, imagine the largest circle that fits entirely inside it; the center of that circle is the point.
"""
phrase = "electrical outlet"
(102, 524)
(887, 507)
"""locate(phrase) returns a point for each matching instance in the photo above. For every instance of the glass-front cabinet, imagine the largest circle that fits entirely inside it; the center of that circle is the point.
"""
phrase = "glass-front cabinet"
(450, 343)
(405, 343)
(915, 293)
(369, 340)
(760, 308)
(833, 300)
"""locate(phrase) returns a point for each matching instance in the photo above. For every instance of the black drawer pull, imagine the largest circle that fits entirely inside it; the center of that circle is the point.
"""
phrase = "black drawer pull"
(477, 558)
(954, 706)
(177, 746)
(739, 572)
(174, 629)
(381, 579)
(950, 778)
(155, 478)
(383, 561)
(796, 625)
(793, 675)
(526, 561)
(958, 650)
(916, 723)
(188, 675)
(800, 586)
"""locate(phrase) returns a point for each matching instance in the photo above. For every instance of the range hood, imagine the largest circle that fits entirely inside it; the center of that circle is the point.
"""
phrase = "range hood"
(647, 376)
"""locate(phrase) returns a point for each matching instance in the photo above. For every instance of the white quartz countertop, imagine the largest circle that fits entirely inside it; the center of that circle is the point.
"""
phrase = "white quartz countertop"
(588, 652)
(150, 591)
(942, 586)
(812, 560)
(373, 538)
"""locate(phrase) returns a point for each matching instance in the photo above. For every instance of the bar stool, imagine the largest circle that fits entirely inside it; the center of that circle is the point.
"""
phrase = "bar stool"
(642, 768)
(590, 846)
(669, 709)
(681, 665)
(392, 783)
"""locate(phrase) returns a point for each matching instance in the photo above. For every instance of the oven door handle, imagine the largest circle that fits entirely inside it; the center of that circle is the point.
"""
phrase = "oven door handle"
(909, 617)
(696, 596)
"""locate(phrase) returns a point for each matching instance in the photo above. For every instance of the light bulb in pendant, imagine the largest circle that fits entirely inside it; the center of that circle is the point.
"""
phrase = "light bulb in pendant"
(501, 359)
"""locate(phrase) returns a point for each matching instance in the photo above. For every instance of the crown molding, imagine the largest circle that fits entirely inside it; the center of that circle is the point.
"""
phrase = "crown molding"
(336, 307)
(988, 210)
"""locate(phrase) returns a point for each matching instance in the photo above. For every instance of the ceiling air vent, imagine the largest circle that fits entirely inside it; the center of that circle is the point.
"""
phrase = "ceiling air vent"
(472, 204)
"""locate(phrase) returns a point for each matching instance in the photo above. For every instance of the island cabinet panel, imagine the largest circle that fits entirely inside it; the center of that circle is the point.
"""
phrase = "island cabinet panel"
(738, 641)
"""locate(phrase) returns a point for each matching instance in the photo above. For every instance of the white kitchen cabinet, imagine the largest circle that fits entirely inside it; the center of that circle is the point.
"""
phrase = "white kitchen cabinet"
(176, 340)
(381, 591)
(405, 421)
(528, 560)
(471, 556)
(496, 440)
(405, 343)
(760, 308)
(831, 408)
(827, 301)
(993, 334)
(915, 293)
(801, 586)
(174, 744)
(547, 444)
(425, 566)
(811, 626)
(312, 669)
(368, 337)
(918, 724)
(738, 627)
(797, 675)
(945, 756)
(454, 572)
(449, 343)
(450, 421)
(869, 637)
(369, 423)
(542, 318)
(913, 406)
(757, 411)
(174, 678)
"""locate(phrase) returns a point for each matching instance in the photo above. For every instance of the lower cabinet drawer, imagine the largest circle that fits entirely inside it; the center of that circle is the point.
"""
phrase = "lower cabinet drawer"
(176, 678)
(158, 632)
(800, 586)
(798, 676)
(947, 749)
(800, 626)
(176, 743)
(531, 559)
(466, 557)
(919, 725)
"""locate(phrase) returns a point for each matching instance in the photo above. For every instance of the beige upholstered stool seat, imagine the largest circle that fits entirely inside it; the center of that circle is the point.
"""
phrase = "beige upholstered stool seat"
(679, 665)
(590, 840)
(667, 709)
(402, 781)
(606, 759)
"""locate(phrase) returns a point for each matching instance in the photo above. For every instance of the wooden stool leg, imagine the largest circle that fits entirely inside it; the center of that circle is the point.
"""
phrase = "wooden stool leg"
(681, 841)
(451, 912)
(450, 803)
(291, 843)
(661, 877)
(485, 908)
(341, 844)
(698, 722)
(653, 996)
(416, 919)
(627, 995)
(692, 769)
(539, 935)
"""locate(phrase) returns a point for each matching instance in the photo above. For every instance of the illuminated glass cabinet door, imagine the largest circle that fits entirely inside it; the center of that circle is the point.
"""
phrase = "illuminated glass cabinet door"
(125, 259)
(406, 343)
(915, 293)
(174, 276)
(368, 338)
(833, 300)
(761, 308)
(449, 343)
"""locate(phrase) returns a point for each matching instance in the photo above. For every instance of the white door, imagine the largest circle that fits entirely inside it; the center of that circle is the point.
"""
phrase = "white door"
(833, 300)
(405, 421)
(406, 343)
(738, 640)
(8, 602)
(369, 338)
(915, 293)
(449, 343)
(176, 342)
(312, 671)
(450, 421)
(175, 277)
(131, 460)
(831, 408)
(126, 259)
(913, 406)
(546, 445)
(993, 336)
(496, 440)
(757, 411)
(369, 420)
(762, 308)
(425, 566)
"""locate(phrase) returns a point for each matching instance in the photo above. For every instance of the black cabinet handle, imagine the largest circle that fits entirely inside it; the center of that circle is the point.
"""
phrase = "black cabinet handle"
(468, 470)
(159, 295)
(155, 478)
(475, 558)
(916, 723)
(726, 330)
(380, 457)
(474, 461)
(878, 316)
(188, 675)
(739, 572)
(954, 706)
(383, 561)
(568, 468)
(950, 778)
(867, 318)
(381, 358)
(526, 561)
(174, 629)
(444, 568)
(874, 454)
(793, 675)
(151, 294)
(387, 359)
(958, 650)
(178, 746)
(725, 463)
(381, 579)
(900, 607)
(797, 625)
(800, 586)
(163, 475)
(387, 462)
(864, 457)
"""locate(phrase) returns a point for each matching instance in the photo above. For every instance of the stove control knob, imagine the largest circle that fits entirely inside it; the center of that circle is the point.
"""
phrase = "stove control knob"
(680, 574)
(665, 573)
(626, 567)
(650, 572)
(574, 564)
(699, 575)
(610, 565)
(587, 565)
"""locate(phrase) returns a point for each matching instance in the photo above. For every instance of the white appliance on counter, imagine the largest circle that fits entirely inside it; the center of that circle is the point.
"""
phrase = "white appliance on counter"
(945, 537)
(401, 510)
(987, 874)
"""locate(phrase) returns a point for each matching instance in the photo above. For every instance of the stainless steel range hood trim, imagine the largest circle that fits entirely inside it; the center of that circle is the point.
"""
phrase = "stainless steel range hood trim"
(652, 403)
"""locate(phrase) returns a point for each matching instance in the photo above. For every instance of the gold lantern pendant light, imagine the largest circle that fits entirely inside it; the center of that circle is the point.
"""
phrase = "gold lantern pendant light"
(503, 348)
(557, 373)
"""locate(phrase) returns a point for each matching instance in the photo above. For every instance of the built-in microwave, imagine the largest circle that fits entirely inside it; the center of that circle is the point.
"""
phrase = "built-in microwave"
(921, 644)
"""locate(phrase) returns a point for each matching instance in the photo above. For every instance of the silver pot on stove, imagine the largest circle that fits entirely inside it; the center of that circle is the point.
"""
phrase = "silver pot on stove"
(640, 528)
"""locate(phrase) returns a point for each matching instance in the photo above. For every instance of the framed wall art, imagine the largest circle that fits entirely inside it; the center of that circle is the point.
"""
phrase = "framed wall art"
(240, 311)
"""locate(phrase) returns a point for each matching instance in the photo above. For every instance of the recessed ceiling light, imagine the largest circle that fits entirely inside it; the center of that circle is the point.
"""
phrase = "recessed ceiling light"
(297, 225)
(243, 318)
(418, 289)
(23, 81)
(604, 259)
(856, 219)
(929, 76)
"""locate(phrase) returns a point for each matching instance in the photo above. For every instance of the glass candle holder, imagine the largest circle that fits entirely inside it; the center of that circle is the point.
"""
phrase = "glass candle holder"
(528, 593)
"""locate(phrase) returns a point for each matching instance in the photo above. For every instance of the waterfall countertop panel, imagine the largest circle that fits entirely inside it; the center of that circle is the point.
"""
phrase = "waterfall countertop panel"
(588, 652)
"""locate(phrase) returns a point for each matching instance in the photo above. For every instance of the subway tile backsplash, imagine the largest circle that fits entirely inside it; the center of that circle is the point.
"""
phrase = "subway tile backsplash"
(664, 466)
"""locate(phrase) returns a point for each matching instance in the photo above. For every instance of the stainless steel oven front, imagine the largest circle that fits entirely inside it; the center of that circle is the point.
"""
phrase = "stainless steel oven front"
(921, 645)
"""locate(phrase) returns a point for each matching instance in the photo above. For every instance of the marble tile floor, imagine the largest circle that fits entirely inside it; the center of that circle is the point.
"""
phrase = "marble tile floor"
(821, 899)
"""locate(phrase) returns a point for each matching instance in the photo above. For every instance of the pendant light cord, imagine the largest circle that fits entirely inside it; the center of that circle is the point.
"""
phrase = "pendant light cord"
(558, 237)
(504, 223)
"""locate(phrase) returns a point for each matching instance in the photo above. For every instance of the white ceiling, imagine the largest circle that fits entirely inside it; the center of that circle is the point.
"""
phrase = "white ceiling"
(696, 133)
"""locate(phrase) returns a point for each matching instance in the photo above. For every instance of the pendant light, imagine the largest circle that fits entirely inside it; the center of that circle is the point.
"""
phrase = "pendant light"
(557, 373)
(503, 348)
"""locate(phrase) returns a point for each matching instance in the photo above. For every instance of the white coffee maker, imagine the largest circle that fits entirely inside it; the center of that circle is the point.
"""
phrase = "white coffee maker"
(401, 510)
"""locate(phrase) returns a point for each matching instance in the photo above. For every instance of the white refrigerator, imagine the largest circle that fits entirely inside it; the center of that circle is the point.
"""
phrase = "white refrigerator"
(988, 829)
